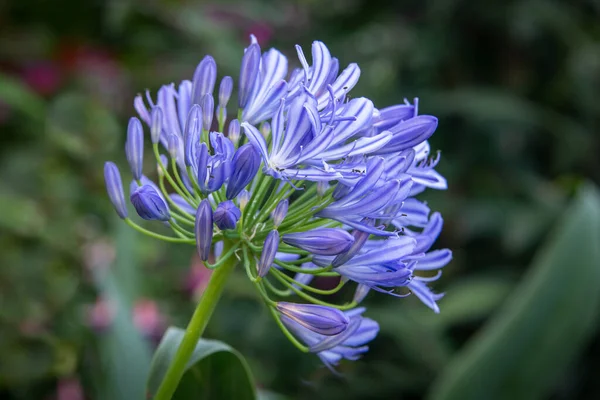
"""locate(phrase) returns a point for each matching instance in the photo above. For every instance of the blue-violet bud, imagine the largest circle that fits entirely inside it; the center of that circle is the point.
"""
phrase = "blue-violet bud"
(245, 166)
(234, 131)
(134, 147)
(225, 90)
(268, 253)
(320, 319)
(204, 229)
(226, 215)
(280, 212)
(322, 241)
(208, 110)
(173, 146)
(156, 124)
(204, 79)
(248, 72)
(114, 188)
(149, 204)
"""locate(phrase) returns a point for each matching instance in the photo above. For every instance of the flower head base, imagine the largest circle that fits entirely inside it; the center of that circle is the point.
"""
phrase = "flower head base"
(304, 182)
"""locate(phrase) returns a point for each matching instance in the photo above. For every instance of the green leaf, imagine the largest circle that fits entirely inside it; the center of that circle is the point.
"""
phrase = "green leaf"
(125, 353)
(544, 324)
(215, 370)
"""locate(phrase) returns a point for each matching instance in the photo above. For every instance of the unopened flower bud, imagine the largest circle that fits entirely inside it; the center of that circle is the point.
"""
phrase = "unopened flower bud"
(114, 187)
(149, 204)
(134, 147)
(280, 212)
(320, 319)
(226, 215)
(225, 90)
(322, 241)
(245, 166)
(204, 229)
(204, 79)
(268, 254)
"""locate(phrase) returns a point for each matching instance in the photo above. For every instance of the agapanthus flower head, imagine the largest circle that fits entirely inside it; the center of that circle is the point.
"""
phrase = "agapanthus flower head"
(304, 181)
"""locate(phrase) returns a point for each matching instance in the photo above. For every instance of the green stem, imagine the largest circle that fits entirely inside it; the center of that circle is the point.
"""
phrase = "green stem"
(196, 327)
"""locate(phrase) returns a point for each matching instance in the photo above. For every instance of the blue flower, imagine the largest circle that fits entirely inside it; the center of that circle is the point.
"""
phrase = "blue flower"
(304, 182)
(349, 344)
(323, 320)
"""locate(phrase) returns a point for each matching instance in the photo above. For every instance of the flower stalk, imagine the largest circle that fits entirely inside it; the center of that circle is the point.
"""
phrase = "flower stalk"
(197, 325)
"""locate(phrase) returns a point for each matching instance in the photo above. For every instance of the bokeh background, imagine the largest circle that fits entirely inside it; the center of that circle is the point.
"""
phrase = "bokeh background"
(515, 84)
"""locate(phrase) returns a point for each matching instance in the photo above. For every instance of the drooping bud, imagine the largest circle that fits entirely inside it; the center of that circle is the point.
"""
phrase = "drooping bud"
(280, 212)
(322, 241)
(227, 215)
(234, 131)
(204, 79)
(173, 146)
(114, 188)
(360, 238)
(320, 319)
(156, 124)
(268, 254)
(149, 204)
(245, 166)
(208, 110)
(134, 147)
(248, 73)
(243, 199)
(225, 90)
(204, 229)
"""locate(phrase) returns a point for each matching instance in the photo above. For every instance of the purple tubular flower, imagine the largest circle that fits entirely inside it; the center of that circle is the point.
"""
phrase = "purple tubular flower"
(114, 188)
(208, 110)
(349, 344)
(134, 147)
(149, 204)
(226, 215)
(246, 162)
(156, 124)
(204, 79)
(322, 241)
(204, 229)
(225, 90)
(248, 73)
(268, 254)
(324, 320)
(280, 212)
(409, 133)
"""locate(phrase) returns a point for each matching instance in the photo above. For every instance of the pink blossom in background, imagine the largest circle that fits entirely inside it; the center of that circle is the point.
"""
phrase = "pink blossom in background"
(100, 315)
(261, 30)
(43, 76)
(197, 278)
(69, 389)
(148, 319)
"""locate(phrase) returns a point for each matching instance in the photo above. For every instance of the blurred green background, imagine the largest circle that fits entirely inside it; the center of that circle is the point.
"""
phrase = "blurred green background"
(515, 85)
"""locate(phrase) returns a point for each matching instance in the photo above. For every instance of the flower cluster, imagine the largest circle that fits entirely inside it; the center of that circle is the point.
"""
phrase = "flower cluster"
(304, 182)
